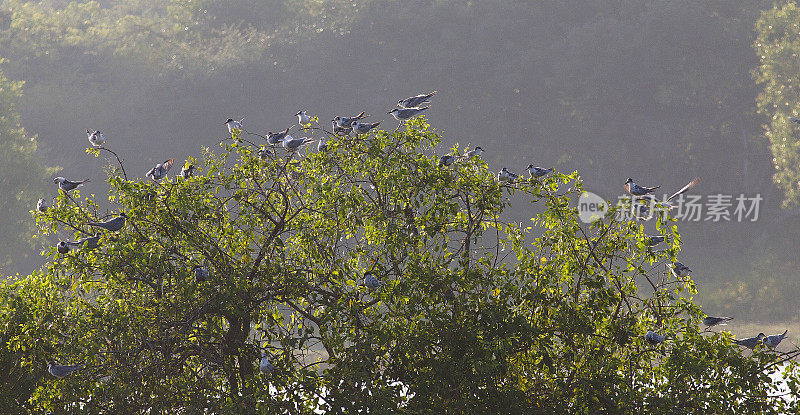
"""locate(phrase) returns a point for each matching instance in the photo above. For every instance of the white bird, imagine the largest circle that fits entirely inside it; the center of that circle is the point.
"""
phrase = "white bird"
(477, 151)
(654, 240)
(60, 371)
(67, 185)
(42, 206)
(234, 125)
(371, 281)
(679, 270)
(322, 146)
(274, 139)
(340, 130)
(293, 144)
(537, 172)
(303, 118)
(62, 247)
(187, 171)
(415, 101)
(506, 176)
(775, 339)
(713, 321)
(363, 128)
(347, 122)
(637, 190)
(654, 338)
(96, 138)
(113, 224)
(160, 170)
(265, 366)
(750, 342)
(403, 114)
(446, 160)
(89, 243)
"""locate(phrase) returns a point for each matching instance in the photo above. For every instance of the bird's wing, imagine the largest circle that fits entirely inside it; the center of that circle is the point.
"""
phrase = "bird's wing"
(688, 186)
(168, 165)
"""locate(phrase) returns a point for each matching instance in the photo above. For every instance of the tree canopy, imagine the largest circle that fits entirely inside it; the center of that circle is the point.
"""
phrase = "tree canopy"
(22, 178)
(471, 312)
(777, 47)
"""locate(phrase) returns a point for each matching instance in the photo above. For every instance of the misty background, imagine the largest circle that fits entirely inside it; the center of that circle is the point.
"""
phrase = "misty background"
(658, 90)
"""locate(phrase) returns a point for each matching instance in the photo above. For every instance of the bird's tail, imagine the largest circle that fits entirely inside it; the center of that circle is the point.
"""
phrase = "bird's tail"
(422, 109)
(362, 115)
(431, 94)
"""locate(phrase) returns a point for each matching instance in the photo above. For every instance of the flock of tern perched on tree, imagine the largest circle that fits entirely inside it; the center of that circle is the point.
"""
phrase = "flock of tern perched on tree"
(406, 109)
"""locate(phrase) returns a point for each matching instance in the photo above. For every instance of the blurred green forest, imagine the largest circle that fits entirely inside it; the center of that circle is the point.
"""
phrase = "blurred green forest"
(658, 90)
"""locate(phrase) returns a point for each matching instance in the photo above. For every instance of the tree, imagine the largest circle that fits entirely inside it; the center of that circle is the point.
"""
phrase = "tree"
(473, 314)
(777, 46)
(22, 179)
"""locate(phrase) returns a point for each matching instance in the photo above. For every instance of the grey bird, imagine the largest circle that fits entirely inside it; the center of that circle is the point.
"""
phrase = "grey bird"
(654, 338)
(234, 125)
(322, 146)
(67, 185)
(365, 127)
(303, 118)
(160, 170)
(340, 130)
(200, 273)
(112, 225)
(537, 172)
(371, 281)
(89, 243)
(62, 247)
(653, 240)
(41, 206)
(346, 122)
(794, 120)
(60, 371)
(477, 151)
(406, 113)
(265, 366)
(775, 339)
(506, 176)
(96, 138)
(750, 342)
(187, 171)
(714, 321)
(415, 101)
(446, 160)
(679, 270)
(637, 190)
(293, 144)
(263, 153)
(274, 139)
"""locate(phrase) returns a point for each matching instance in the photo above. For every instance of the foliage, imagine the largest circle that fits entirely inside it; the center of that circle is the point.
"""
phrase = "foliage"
(475, 314)
(22, 178)
(777, 45)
